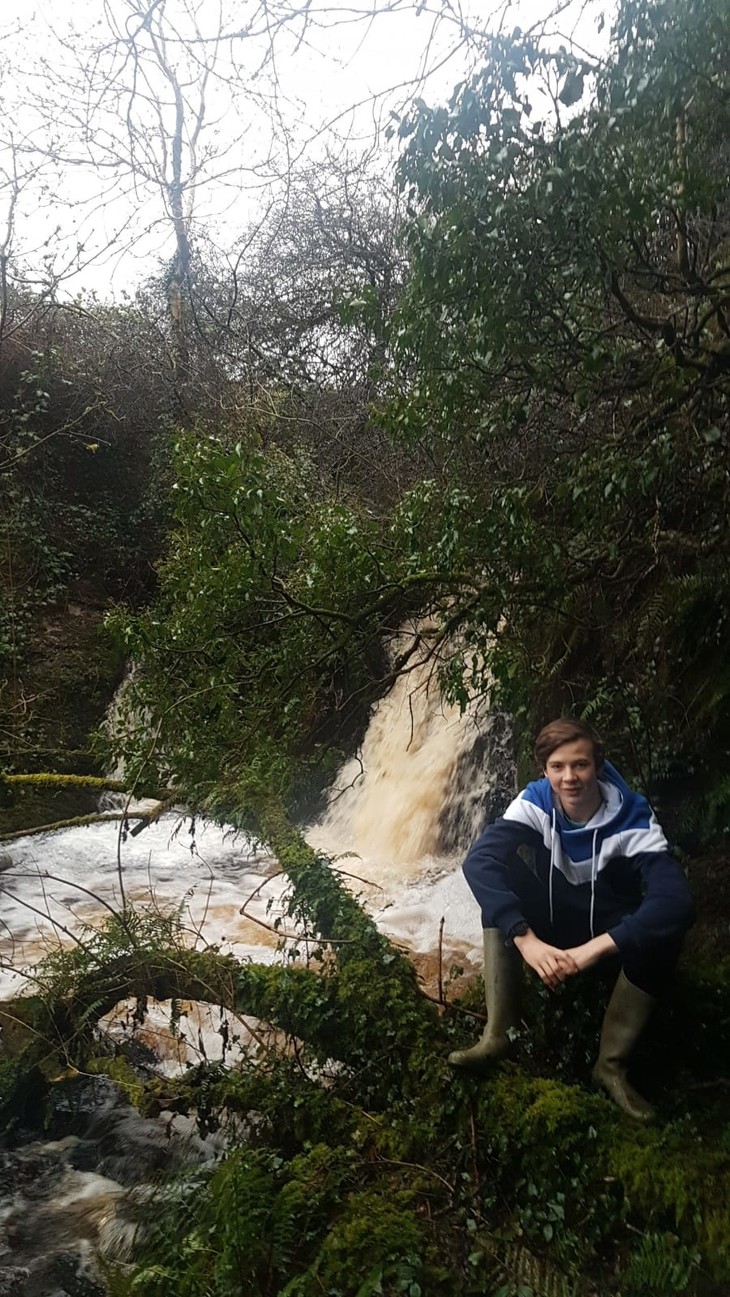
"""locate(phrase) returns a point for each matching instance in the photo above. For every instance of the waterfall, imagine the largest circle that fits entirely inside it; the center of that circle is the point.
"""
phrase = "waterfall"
(121, 720)
(400, 815)
(407, 806)
(426, 780)
(399, 818)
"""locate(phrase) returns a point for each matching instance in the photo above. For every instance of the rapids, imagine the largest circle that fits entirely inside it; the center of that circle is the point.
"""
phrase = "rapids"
(398, 820)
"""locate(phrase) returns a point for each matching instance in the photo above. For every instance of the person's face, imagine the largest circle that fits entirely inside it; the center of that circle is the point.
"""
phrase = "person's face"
(573, 776)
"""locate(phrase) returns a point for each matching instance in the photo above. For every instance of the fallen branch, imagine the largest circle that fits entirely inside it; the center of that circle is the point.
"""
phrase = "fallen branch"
(78, 821)
(46, 780)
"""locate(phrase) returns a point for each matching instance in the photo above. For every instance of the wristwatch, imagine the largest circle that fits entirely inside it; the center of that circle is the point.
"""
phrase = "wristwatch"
(518, 929)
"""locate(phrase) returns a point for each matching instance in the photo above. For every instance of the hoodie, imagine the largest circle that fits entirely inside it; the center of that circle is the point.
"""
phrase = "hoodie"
(613, 874)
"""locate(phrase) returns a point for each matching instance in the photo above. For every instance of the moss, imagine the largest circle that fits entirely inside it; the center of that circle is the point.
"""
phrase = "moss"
(375, 1239)
(545, 1135)
(96, 783)
(315, 1183)
(670, 1177)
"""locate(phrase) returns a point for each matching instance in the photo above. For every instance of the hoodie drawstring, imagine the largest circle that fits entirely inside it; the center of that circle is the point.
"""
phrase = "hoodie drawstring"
(554, 839)
(594, 862)
(553, 844)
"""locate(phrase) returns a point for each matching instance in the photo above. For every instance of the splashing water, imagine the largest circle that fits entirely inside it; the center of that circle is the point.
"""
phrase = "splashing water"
(399, 819)
(407, 807)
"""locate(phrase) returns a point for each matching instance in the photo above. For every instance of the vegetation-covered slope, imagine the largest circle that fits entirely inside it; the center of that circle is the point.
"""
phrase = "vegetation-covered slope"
(557, 367)
(367, 1165)
(535, 456)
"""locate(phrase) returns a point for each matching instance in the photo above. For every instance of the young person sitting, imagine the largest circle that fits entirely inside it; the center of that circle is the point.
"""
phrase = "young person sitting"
(577, 871)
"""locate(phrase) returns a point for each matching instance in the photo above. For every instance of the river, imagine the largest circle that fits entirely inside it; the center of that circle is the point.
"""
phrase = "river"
(399, 817)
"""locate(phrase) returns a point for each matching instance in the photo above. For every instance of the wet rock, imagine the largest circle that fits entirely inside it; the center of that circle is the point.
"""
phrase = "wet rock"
(84, 1156)
(12, 1280)
(483, 783)
(34, 1173)
(69, 1274)
(76, 1101)
(6, 862)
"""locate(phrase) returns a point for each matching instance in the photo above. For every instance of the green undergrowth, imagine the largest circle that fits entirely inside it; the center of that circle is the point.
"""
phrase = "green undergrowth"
(603, 1171)
(515, 1185)
(358, 1162)
(49, 715)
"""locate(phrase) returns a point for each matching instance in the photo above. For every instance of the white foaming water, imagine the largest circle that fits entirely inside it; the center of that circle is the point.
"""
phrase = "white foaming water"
(60, 884)
(399, 818)
(411, 802)
(67, 880)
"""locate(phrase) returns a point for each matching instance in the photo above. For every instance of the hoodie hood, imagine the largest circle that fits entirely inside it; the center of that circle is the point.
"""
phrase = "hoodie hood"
(624, 825)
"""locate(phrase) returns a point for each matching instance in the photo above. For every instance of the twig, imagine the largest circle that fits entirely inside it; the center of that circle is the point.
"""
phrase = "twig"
(67, 882)
(455, 1008)
(474, 1162)
(121, 834)
(441, 955)
(358, 879)
(79, 821)
(46, 915)
(415, 1166)
(293, 936)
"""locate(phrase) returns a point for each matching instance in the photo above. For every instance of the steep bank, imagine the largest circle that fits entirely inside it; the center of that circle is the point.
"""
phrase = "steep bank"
(53, 700)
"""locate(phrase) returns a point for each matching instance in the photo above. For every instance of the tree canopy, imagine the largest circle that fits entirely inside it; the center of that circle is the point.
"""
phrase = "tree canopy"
(564, 338)
(556, 370)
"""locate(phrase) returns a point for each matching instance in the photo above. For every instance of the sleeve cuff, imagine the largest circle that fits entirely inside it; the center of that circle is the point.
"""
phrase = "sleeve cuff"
(622, 935)
(506, 921)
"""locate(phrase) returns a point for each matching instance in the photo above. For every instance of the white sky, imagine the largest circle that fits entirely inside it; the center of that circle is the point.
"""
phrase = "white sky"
(328, 87)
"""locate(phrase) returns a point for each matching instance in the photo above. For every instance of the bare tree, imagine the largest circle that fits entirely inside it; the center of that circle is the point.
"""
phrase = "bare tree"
(155, 119)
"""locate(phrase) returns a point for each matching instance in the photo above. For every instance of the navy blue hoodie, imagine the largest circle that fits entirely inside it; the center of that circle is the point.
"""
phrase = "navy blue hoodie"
(613, 874)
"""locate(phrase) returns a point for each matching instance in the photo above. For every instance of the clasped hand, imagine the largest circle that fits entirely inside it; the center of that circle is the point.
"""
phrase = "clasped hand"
(553, 965)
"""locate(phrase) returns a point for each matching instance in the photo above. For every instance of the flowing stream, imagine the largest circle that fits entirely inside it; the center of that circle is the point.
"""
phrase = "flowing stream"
(399, 818)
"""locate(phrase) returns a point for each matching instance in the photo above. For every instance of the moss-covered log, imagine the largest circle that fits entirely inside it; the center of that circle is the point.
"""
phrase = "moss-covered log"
(362, 1007)
(50, 1030)
(53, 780)
(555, 1182)
(76, 822)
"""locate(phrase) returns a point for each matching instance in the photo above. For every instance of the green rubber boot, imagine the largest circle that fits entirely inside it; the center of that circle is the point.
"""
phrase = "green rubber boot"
(502, 992)
(627, 1014)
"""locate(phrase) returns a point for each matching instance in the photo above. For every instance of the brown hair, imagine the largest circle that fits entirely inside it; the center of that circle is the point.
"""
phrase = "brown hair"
(565, 730)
